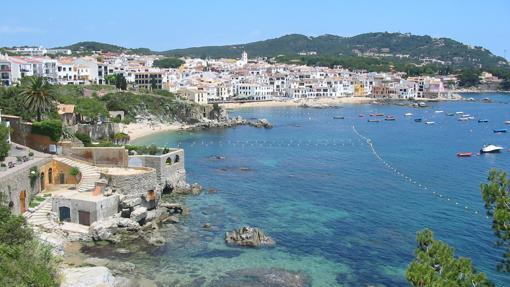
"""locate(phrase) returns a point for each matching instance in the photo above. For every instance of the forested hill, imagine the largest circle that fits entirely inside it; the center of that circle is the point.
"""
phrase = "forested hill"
(90, 46)
(408, 47)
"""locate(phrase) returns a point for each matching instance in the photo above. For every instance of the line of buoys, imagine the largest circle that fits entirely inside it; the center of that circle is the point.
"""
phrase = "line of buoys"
(405, 177)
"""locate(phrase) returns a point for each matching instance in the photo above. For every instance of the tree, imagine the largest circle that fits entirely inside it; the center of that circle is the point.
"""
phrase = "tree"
(436, 265)
(496, 195)
(4, 145)
(469, 78)
(24, 261)
(111, 79)
(74, 172)
(154, 84)
(169, 62)
(38, 95)
(120, 82)
(91, 108)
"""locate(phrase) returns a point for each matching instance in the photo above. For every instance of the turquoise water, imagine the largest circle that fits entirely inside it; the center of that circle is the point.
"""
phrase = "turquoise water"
(341, 212)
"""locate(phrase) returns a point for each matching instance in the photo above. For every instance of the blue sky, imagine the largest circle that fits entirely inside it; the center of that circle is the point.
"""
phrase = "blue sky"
(162, 25)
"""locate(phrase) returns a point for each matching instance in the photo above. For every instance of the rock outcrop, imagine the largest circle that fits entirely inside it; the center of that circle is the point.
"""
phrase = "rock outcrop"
(248, 237)
(111, 228)
(261, 123)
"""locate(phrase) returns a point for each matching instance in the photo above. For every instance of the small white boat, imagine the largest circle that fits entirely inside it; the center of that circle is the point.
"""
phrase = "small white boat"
(465, 115)
(438, 112)
(463, 119)
(408, 114)
(430, 123)
(491, 148)
(459, 113)
(471, 118)
(507, 122)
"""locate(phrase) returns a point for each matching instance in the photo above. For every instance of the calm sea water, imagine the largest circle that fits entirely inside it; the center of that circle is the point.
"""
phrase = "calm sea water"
(341, 212)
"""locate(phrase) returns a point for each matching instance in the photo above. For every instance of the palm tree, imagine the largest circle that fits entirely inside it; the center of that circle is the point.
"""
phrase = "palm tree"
(38, 95)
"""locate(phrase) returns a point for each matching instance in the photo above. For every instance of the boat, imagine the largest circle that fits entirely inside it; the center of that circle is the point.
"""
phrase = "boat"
(491, 149)
(422, 105)
(464, 154)
(338, 117)
(463, 119)
(408, 114)
(459, 113)
(430, 123)
(471, 118)
(418, 120)
(439, 112)
(450, 114)
(507, 122)
(374, 121)
(497, 131)
(466, 115)
(483, 121)
(389, 118)
(361, 115)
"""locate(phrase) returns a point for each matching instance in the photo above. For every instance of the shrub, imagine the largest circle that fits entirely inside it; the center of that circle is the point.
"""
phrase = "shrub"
(74, 171)
(50, 128)
(84, 138)
(4, 145)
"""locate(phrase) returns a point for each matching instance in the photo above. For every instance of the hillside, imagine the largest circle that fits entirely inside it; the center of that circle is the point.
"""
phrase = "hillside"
(90, 46)
(411, 47)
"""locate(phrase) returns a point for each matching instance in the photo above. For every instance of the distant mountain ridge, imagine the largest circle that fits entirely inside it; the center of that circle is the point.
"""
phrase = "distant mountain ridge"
(412, 48)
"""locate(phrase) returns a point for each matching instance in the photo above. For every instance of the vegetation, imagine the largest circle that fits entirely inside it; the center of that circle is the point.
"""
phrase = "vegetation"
(91, 108)
(469, 78)
(436, 265)
(168, 62)
(89, 46)
(150, 149)
(50, 128)
(4, 145)
(33, 175)
(496, 195)
(24, 261)
(84, 138)
(38, 95)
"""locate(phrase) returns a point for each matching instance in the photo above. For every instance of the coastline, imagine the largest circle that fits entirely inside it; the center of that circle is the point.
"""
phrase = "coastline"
(298, 102)
(143, 129)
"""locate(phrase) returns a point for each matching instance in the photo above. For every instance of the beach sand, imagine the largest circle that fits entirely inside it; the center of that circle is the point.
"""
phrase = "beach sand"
(299, 102)
(138, 130)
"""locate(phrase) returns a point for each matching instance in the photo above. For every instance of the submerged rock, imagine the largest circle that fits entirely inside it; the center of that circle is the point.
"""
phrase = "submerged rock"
(267, 277)
(261, 123)
(87, 276)
(249, 237)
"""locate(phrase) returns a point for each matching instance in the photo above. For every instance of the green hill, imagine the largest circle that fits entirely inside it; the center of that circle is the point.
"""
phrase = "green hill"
(411, 47)
(90, 46)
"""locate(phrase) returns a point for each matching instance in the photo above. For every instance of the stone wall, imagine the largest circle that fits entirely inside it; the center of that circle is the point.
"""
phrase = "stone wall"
(100, 208)
(99, 156)
(15, 181)
(136, 185)
(170, 167)
(55, 169)
(22, 134)
(98, 131)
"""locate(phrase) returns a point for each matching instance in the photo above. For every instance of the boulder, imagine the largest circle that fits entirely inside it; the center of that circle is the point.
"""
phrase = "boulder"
(154, 238)
(249, 237)
(87, 276)
(157, 215)
(271, 277)
(139, 214)
(106, 229)
(130, 202)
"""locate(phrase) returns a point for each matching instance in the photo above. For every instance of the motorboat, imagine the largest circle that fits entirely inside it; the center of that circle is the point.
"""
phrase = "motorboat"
(361, 115)
(338, 117)
(418, 120)
(459, 113)
(450, 114)
(430, 123)
(471, 118)
(465, 115)
(439, 112)
(483, 121)
(464, 154)
(463, 119)
(497, 131)
(408, 114)
(491, 149)
(507, 122)
(389, 118)
(374, 121)
(422, 105)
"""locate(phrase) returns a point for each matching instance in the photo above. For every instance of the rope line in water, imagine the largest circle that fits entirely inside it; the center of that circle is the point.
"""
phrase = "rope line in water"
(407, 178)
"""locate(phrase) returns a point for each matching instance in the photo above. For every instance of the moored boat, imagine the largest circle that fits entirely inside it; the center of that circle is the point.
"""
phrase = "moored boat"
(338, 117)
(430, 123)
(374, 121)
(439, 112)
(361, 115)
(459, 113)
(418, 120)
(464, 154)
(491, 149)
(389, 118)
(450, 114)
(497, 131)
(507, 122)
(422, 104)
(408, 114)
(483, 121)
(463, 119)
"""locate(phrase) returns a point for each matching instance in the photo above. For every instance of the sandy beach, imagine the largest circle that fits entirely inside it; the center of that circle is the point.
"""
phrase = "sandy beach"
(298, 102)
(138, 130)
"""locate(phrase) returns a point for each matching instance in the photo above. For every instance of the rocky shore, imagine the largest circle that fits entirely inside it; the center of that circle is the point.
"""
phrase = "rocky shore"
(230, 123)
(248, 237)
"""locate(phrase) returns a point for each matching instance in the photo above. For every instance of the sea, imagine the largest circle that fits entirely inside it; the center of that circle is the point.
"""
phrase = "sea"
(342, 198)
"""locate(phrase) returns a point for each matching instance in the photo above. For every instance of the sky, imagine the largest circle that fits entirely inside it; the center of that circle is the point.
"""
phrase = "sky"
(163, 25)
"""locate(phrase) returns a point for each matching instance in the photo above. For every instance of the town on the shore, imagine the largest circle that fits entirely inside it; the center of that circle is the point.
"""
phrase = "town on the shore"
(225, 80)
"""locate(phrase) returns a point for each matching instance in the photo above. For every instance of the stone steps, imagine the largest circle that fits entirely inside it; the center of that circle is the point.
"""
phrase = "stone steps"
(89, 174)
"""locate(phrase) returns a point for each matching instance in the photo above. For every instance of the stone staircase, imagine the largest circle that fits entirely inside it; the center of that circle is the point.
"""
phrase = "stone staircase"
(41, 216)
(89, 173)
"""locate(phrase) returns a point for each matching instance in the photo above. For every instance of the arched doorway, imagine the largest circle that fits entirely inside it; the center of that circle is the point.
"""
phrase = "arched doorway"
(50, 175)
(168, 161)
(177, 158)
(61, 177)
(42, 180)
(22, 202)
